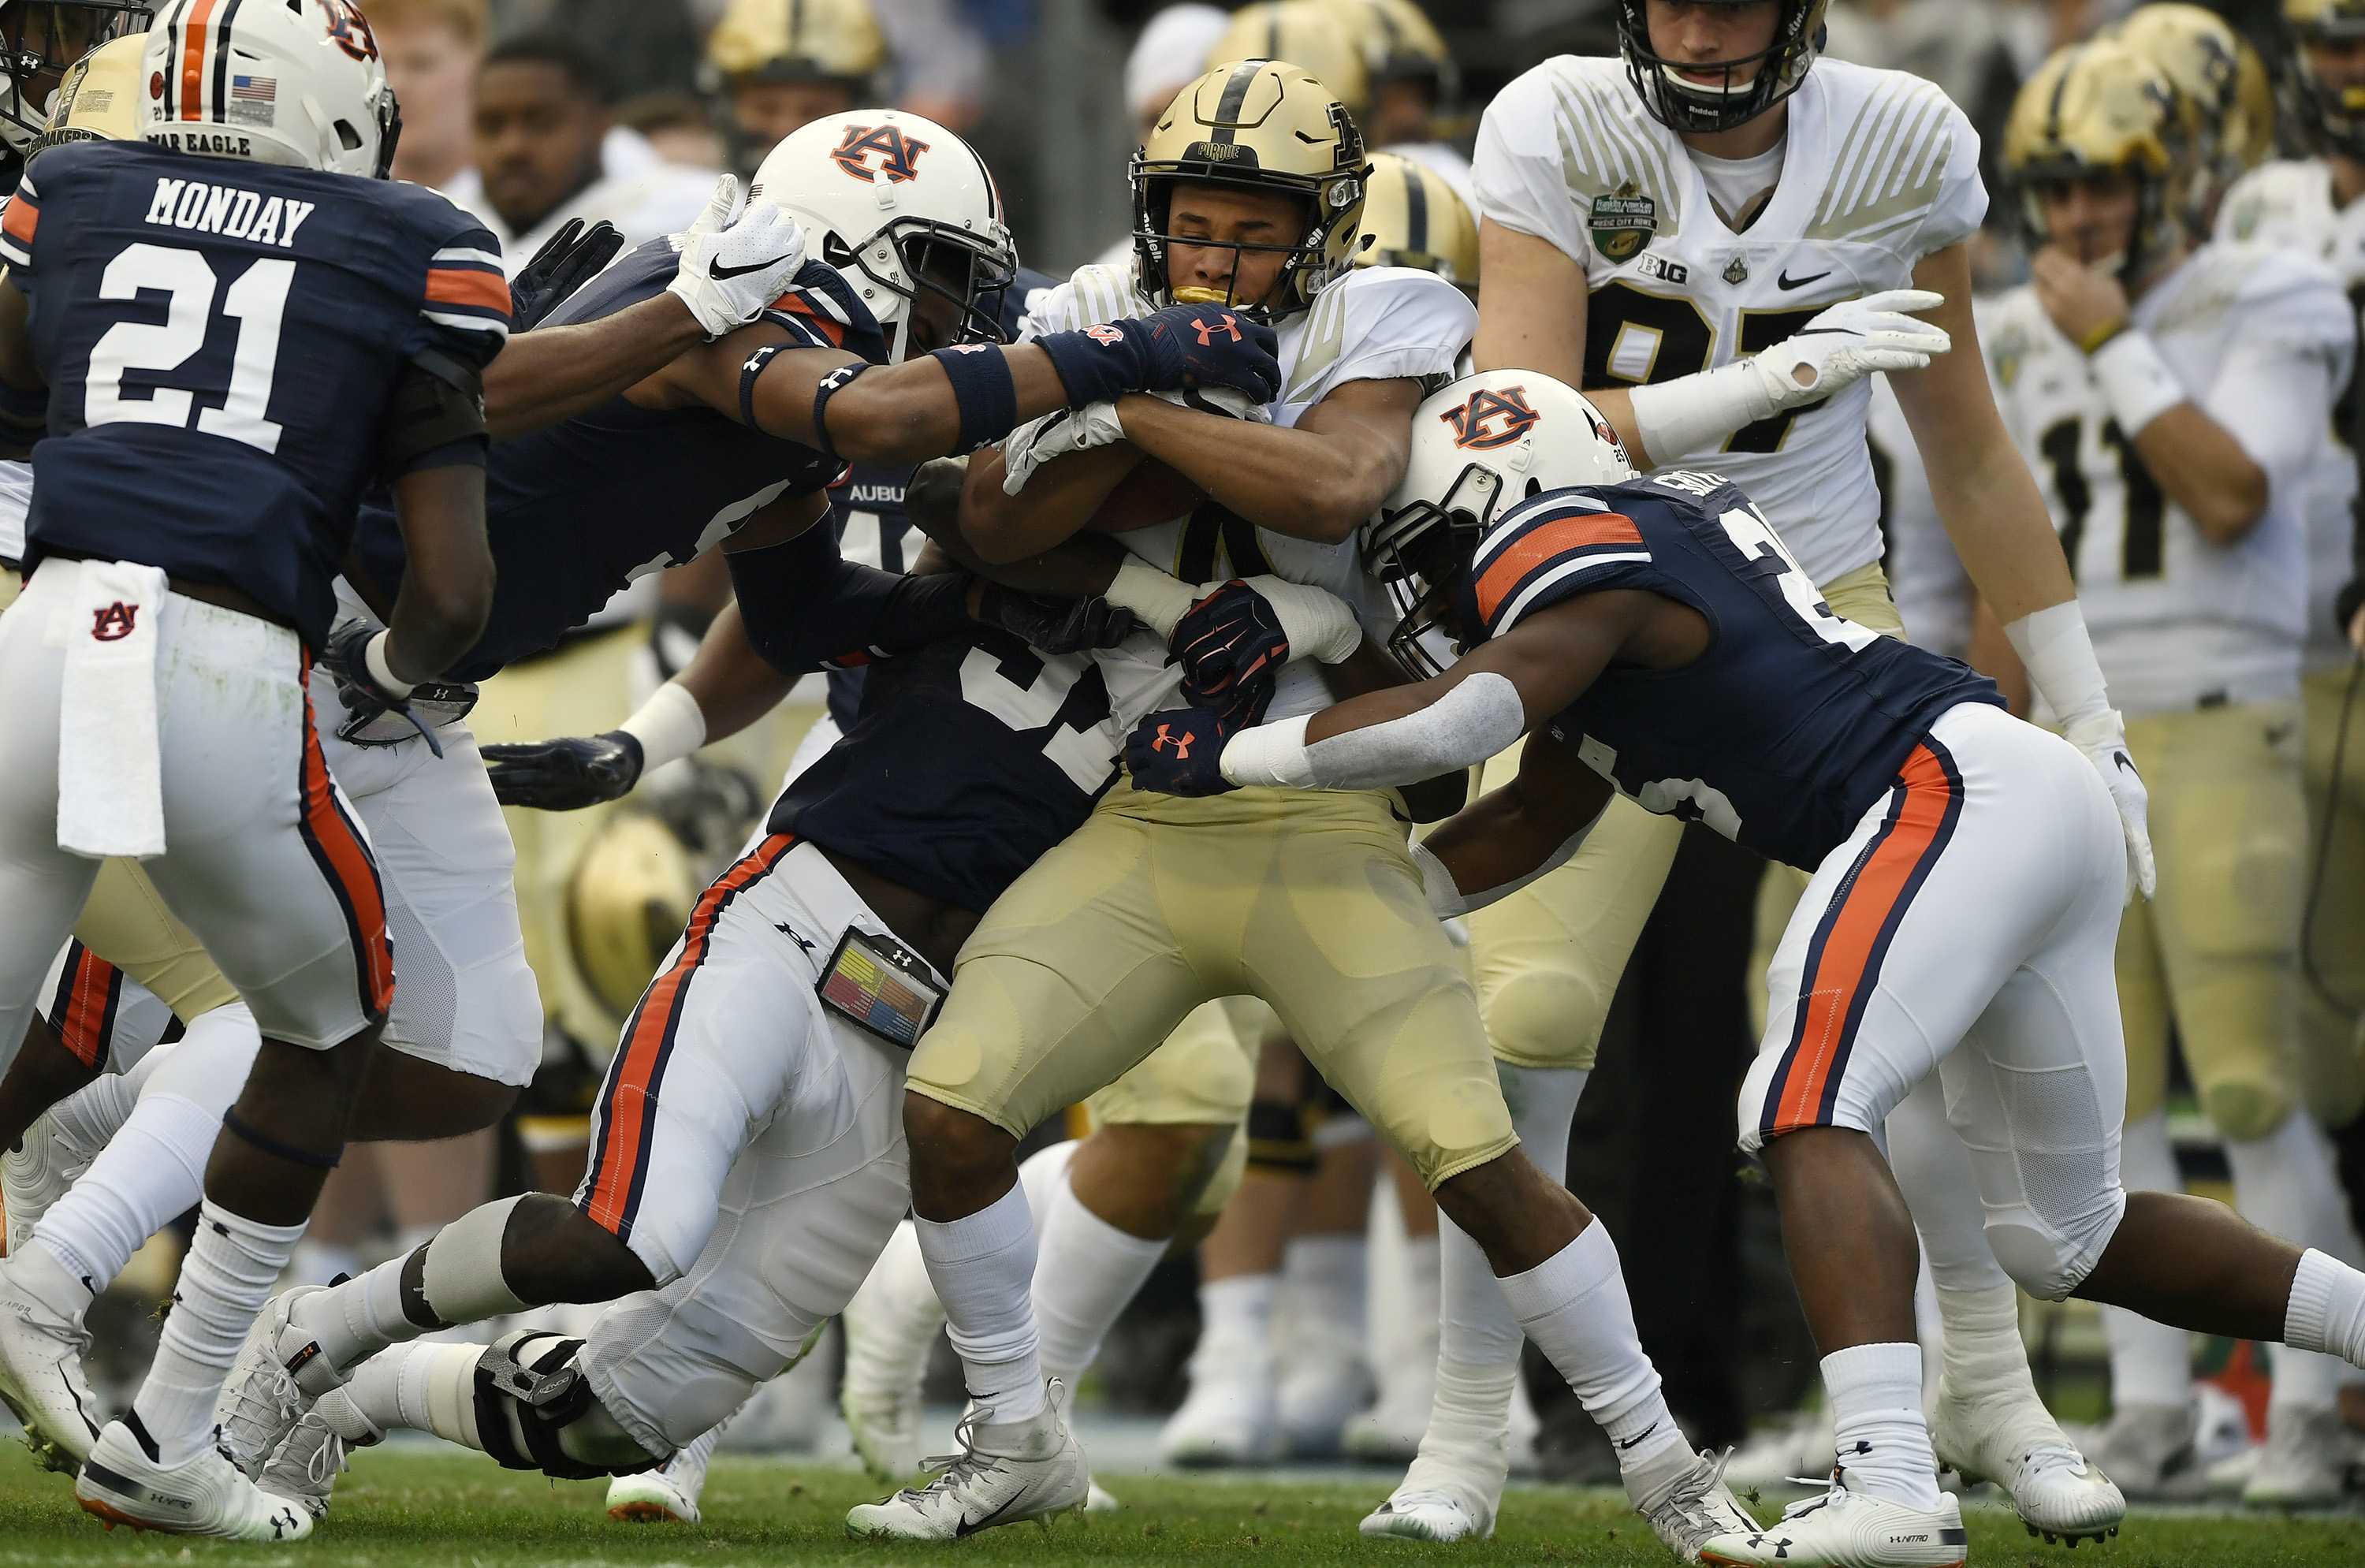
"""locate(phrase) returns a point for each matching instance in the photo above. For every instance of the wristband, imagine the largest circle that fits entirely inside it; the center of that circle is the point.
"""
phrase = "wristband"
(1271, 756)
(983, 389)
(381, 674)
(2134, 381)
(2059, 658)
(1155, 599)
(669, 726)
(1693, 413)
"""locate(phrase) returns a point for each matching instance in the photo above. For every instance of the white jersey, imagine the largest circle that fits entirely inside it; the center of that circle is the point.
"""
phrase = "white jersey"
(2262, 340)
(16, 506)
(1373, 324)
(2289, 205)
(1880, 171)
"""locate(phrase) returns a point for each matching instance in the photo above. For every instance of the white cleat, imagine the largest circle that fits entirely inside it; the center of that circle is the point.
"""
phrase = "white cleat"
(2303, 1463)
(1846, 1528)
(1698, 1506)
(2151, 1452)
(1226, 1419)
(1775, 1456)
(1006, 1472)
(208, 1495)
(1097, 1501)
(2015, 1441)
(304, 1469)
(668, 1495)
(1434, 1512)
(279, 1373)
(889, 1326)
(1322, 1395)
(34, 1175)
(42, 1376)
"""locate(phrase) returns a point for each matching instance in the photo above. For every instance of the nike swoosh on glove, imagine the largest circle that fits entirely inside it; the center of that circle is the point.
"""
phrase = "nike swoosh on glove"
(2103, 739)
(1178, 751)
(731, 268)
(565, 775)
(1843, 345)
(566, 260)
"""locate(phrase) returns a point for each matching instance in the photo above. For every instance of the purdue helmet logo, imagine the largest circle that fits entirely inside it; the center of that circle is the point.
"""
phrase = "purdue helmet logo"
(1475, 424)
(899, 155)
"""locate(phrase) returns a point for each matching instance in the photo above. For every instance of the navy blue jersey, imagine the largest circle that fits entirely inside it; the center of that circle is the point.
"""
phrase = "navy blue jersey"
(1793, 723)
(577, 511)
(867, 506)
(969, 759)
(221, 339)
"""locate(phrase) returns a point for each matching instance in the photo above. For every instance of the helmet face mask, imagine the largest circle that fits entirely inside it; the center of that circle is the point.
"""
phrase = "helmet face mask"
(40, 41)
(1420, 551)
(1214, 210)
(1682, 104)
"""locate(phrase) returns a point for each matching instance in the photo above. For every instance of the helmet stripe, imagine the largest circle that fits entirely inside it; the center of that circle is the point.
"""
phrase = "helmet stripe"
(1235, 93)
(193, 58)
(1416, 210)
(221, 61)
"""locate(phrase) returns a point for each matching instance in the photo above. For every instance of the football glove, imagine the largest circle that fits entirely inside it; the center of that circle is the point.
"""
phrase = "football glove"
(1204, 346)
(1052, 624)
(1179, 752)
(1056, 434)
(2103, 739)
(565, 775)
(1232, 646)
(569, 259)
(1847, 343)
(375, 716)
(731, 268)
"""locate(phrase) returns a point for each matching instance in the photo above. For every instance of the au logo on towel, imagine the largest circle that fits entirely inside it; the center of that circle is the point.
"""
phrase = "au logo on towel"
(115, 622)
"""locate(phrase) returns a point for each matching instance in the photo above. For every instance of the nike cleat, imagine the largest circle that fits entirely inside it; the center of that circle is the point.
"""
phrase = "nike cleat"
(2014, 1442)
(1006, 1472)
(41, 1377)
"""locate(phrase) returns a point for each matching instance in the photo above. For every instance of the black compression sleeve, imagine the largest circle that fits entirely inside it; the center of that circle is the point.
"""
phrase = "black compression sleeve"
(805, 606)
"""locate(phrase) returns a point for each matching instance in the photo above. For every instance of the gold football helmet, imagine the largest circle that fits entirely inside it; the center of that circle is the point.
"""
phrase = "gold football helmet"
(2229, 108)
(2100, 108)
(2331, 114)
(800, 41)
(100, 98)
(1413, 217)
(1401, 44)
(1264, 125)
(1308, 34)
(631, 891)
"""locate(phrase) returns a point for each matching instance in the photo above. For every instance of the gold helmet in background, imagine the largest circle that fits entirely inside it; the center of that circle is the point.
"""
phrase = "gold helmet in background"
(1258, 124)
(632, 888)
(2100, 108)
(1309, 34)
(800, 41)
(100, 98)
(1414, 217)
(2333, 117)
(1401, 44)
(2228, 104)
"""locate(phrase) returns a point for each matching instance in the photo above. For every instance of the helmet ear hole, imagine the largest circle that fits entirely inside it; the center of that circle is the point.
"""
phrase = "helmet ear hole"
(836, 250)
(351, 137)
(1535, 488)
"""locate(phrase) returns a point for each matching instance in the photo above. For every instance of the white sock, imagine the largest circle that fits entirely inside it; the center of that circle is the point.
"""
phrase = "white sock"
(1542, 1102)
(1468, 1432)
(984, 1269)
(1474, 1323)
(1424, 1285)
(233, 1263)
(1327, 1275)
(1984, 1357)
(2151, 1363)
(1086, 1271)
(462, 1283)
(429, 1388)
(1236, 1317)
(153, 1169)
(2327, 1308)
(1884, 1443)
(2284, 1184)
(1573, 1306)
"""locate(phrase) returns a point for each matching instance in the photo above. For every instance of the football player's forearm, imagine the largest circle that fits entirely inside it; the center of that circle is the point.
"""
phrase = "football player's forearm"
(1293, 482)
(1370, 668)
(549, 376)
(733, 685)
(1059, 500)
(903, 413)
(1617, 406)
(1995, 516)
(2201, 467)
(447, 580)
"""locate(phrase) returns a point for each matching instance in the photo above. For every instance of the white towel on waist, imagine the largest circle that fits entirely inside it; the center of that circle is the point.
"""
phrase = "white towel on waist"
(110, 780)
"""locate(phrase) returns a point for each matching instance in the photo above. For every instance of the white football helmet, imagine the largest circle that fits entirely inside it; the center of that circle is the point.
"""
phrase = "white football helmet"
(294, 83)
(903, 207)
(1480, 447)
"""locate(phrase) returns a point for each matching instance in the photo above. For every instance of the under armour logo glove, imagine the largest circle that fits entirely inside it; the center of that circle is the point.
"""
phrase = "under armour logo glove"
(1183, 345)
(1847, 343)
(2103, 739)
(565, 775)
(1051, 624)
(1178, 751)
(375, 716)
(1232, 646)
(568, 260)
(731, 269)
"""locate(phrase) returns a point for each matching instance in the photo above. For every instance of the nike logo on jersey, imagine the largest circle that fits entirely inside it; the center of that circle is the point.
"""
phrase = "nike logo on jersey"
(719, 274)
(1785, 283)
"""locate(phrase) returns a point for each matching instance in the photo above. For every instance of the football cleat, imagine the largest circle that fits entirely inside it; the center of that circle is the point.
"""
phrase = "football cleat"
(41, 1378)
(1845, 1529)
(2151, 1454)
(668, 1495)
(33, 1175)
(1775, 1456)
(2303, 1463)
(305, 1467)
(279, 1373)
(889, 1325)
(1433, 1511)
(1228, 1417)
(2014, 1442)
(1005, 1473)
(208, 1495)
(1697, 1508)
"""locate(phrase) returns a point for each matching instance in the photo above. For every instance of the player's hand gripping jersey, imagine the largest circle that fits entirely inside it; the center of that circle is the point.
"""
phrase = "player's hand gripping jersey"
(1793, 723)
(1879, 170)
(221, 340)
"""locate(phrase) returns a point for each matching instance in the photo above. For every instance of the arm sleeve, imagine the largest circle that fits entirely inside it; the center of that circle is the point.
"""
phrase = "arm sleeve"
(2272, 392)
(1517, 169)
(805, 606)
(1961, 204)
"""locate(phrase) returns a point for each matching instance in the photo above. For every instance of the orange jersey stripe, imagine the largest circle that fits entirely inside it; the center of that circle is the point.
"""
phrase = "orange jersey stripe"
(192, 59)
(1831, 991)
(22, 219)
(460, 286)
(84, 1027)
(794, 305)
(1540, 543)
(349, 861)
(618, 1158)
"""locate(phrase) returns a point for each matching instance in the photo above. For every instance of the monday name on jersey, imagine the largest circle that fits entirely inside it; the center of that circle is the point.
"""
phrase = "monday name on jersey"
(227, 210)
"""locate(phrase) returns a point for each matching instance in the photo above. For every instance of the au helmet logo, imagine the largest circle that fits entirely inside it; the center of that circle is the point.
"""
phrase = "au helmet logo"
(898, 154)
(1491, 418)
(350, 31)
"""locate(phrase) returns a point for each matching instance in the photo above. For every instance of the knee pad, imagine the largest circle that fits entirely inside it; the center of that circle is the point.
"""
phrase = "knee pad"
(1546, 1015)
(2051, 1261)
(535, 1410)
(2246, 1104)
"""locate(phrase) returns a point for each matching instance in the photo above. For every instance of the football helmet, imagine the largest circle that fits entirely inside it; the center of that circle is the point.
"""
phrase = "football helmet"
(294, 83)
(2099, 108)
(1264, 125)
(99, 100)
(801, 41)
(2332, 116)
(632, 888)
(2230, 108)
(1413, 217)
(903, 208)
(1679, 103)
(40, 41)
(1480, 447)
(1309, 34)
(1401, 44)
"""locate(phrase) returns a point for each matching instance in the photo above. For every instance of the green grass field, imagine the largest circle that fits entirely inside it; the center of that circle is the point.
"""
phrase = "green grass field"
(413, 1508)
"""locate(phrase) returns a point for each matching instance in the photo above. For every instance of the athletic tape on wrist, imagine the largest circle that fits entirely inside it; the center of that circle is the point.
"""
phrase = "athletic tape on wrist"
(983, 389)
